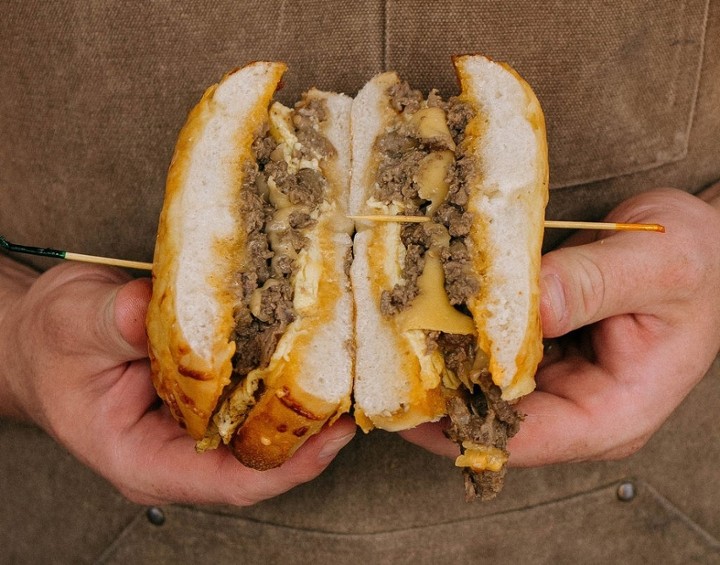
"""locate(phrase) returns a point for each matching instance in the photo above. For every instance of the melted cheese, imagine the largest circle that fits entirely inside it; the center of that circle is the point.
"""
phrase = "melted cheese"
(431, 309)
(307, 277)
(432, 365)
(431, 124)
(282, 129)
(481, 457)
(232, 412)
(431, 178)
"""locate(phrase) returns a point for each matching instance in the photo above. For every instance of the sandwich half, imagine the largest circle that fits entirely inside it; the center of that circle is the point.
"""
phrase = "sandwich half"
(250, 323)
(447, 297)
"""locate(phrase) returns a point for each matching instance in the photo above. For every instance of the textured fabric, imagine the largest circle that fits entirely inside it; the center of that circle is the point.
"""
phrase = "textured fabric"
(578, 520)
(618, 79)
(92, 96)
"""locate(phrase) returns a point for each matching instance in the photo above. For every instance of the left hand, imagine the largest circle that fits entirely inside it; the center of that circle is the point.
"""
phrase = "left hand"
(637, 322)
(73, 360)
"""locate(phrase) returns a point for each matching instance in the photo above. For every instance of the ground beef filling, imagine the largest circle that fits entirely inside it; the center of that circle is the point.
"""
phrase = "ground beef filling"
(401, 152)
(483, 418)
(277, 203)
(479, 416)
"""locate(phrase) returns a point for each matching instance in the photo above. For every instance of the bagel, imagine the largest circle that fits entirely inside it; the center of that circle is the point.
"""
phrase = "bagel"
(250, 320)
(273, 313)
(447, 309)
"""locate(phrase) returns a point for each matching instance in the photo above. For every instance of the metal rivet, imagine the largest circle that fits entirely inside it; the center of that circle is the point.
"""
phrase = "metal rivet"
(626, 491)
(155, 516)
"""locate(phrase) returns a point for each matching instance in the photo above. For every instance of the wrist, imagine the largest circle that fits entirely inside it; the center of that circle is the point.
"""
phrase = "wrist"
(15, 280)
(712, 195)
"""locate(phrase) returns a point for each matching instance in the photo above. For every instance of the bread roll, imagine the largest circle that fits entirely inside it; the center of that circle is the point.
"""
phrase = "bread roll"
(447, 316)
(509, 192)
(203, 253)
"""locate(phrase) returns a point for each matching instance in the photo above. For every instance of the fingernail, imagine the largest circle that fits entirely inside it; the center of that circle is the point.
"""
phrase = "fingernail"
(331, 448)
(552, 291)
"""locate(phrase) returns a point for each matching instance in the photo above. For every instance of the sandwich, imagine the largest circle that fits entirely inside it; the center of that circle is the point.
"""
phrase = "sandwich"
(250, 321)
(447, 301)
(378, 256)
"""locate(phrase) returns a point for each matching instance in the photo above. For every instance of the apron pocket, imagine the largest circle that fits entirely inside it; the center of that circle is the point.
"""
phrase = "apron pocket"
(617, 80)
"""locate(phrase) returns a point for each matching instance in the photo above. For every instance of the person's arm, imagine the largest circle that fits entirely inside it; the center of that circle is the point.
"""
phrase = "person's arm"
(634, 323)
(15, 280)
(73, 361)
(712, 196)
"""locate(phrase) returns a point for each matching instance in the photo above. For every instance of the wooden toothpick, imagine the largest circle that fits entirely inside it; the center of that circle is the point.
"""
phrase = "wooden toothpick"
(548, 223)
(603, 226)
(68, 255)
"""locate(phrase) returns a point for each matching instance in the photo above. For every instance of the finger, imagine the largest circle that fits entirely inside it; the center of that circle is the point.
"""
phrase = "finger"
(171, 470)
(97, 314)
(559, 430)
(712, 195)
(554, 430)
(585, 284)
(581, 411)
(130, 310)
(630, 272)
(431, 437)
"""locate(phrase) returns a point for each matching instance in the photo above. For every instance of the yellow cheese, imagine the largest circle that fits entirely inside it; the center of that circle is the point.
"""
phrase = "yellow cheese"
(431, 309)
(432, 364)
(276, 196)
(430, 123)
(281, 126)
(283, 131)
(481, 457)
(431, 177)
(232, 412)
(256, 299)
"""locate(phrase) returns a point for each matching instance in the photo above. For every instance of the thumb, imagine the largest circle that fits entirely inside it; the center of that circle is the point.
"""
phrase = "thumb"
(631, 272)
(585, 284)
(129, 311)
(119, 335)
(94, 312)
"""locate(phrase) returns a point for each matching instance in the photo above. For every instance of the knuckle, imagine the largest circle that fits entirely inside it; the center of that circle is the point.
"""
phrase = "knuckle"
(689, 268)
(54, 324)
(591, 287)
(625, 450)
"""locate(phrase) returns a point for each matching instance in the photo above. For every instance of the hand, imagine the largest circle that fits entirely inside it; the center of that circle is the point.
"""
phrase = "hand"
(637, 322)
(73, 358)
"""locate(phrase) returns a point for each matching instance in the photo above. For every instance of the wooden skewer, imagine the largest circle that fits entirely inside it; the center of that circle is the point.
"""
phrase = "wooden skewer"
(61, 254)
(548, 223)
(603, 226)
(108, 261)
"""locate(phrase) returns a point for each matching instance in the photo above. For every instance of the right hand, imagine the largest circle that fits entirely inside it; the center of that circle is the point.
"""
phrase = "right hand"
(73, 359)
(637, 317)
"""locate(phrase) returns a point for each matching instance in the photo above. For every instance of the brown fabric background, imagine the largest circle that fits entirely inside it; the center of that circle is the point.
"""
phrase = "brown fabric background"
(92, 96)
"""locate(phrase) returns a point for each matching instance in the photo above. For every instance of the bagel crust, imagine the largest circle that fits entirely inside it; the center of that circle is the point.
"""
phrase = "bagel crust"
(265, 310)
(190, 375)
(224, 218)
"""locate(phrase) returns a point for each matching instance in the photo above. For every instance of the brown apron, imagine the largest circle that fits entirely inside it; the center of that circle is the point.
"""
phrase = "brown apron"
(92, 95)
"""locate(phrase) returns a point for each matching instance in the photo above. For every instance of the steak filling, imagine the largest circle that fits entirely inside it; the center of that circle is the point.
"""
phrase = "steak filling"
(277, 200)
(429, 133)
(280, 200)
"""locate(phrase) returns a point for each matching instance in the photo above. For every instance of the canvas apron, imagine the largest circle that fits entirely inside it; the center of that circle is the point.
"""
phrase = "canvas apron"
(92, 96)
